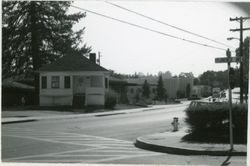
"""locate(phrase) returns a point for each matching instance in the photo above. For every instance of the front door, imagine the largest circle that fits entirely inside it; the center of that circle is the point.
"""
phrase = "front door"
(79, 87)
(80, 84)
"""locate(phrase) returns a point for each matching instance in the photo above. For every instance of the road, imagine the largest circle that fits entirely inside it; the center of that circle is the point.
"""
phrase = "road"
(98, 139)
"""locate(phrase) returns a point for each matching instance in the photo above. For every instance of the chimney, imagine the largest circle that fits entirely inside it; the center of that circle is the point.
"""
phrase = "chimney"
(92, 57)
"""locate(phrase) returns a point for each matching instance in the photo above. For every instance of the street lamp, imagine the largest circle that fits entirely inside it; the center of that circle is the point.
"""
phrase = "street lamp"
(231, 38)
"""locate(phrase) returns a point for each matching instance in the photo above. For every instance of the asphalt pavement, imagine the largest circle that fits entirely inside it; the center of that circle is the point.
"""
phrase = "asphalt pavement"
(99, 138)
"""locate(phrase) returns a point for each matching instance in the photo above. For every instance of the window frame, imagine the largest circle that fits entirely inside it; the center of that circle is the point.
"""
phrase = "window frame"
(55, 82)
(106, 83)
(67, 82)
(44, 82)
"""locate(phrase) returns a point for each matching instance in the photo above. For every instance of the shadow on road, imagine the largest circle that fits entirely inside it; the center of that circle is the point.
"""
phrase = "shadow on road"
(227, 162)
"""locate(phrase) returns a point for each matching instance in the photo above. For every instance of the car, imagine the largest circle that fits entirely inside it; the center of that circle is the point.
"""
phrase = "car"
(194, 97)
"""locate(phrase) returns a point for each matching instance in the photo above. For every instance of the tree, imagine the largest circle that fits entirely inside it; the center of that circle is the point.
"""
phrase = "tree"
(166, 74)
(186, 75)
(180, 94)
(245, 64)
(188, 90)
(196, 81)
(36, 33)
(145, 89)
(161, 91)
(214, 79)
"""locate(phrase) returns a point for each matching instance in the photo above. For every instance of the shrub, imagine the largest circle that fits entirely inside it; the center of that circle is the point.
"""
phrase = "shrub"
(210, 123)
(110, 99)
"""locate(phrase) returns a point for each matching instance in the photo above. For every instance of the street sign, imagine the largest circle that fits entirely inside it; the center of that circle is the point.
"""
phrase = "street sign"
(226, 59)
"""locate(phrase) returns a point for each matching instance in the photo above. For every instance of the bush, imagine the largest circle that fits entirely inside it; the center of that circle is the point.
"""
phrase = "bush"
(110, 99)
(209, 123)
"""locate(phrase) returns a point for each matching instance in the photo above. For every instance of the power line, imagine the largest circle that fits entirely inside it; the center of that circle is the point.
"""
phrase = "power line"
(164, 23)
(148, 29)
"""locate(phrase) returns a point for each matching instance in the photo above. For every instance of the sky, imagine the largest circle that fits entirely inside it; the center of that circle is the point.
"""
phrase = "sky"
(127, 49)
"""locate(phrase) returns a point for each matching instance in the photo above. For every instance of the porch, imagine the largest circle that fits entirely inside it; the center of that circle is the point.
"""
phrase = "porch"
(88, 90)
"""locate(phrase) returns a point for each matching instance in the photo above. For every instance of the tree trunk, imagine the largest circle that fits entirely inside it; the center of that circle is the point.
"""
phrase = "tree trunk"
(34, 49)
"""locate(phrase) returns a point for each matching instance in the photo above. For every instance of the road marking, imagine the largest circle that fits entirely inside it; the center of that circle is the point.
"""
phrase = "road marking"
(50, 154)
(47, 140)
(101, 148)
(120, 158)
(104, 138)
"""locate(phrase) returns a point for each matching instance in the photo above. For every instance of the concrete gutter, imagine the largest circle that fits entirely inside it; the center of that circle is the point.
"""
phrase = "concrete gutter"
(169, 143)
(98, 114)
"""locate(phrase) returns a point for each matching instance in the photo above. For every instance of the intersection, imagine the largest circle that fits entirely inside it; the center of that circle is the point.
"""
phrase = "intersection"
(97, 139)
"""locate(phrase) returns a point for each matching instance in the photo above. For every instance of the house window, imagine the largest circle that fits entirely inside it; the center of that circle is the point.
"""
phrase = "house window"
(106, 83)
(44, 82)
(67, 82)
(96, 81)
(55, 81)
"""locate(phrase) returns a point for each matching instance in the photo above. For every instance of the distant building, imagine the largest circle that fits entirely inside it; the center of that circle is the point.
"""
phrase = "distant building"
(201, 90)
(177, 85)
(134, 89)
(173, 86)
(73, 80)
(119, 86)
(16, 93)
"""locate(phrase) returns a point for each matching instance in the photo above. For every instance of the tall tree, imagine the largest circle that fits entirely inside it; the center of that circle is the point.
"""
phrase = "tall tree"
(188, 90)
(245, 64)
(36, 33)
(145, 89)
(214, 79)
(161, 91)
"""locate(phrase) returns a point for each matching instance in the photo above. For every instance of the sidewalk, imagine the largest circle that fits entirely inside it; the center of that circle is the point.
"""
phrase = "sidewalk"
(20, 119)
(170, 142)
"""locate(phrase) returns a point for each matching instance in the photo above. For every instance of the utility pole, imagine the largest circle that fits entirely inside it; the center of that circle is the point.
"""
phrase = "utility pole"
(229, 60)
(241, 20)
(228, 53)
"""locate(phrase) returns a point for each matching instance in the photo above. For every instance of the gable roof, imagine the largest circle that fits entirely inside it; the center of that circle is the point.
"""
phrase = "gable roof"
(16, 85)
(72, 63)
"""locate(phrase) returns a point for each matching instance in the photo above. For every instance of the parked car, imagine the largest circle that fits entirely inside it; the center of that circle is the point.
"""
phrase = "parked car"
(194, 97)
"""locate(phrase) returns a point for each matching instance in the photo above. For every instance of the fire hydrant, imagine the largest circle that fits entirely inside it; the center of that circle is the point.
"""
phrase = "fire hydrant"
(175, 124)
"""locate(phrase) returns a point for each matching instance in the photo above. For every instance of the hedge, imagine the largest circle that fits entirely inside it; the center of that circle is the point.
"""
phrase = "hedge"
(110, 99)
(209, 123)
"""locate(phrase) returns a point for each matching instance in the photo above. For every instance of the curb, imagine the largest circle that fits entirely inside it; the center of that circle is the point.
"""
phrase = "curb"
(97, 114)
(19, 121)
(182, 151)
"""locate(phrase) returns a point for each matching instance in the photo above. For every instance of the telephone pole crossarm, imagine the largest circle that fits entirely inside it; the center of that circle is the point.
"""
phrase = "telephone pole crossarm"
(239, 18)
(244, 29)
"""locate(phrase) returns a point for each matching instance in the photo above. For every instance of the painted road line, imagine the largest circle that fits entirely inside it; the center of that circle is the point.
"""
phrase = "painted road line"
(101, 149)
(105, 138)
(120, 158)
(48, 140)
(50, 154)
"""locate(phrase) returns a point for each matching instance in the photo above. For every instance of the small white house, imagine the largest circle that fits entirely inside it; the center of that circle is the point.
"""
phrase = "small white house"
(73, 80)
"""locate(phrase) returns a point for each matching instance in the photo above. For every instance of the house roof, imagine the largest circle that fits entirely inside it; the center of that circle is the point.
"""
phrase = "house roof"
(13, 84)
(72, 63)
